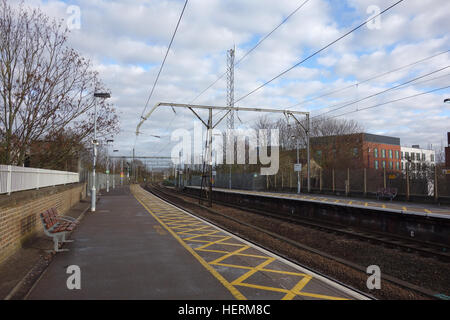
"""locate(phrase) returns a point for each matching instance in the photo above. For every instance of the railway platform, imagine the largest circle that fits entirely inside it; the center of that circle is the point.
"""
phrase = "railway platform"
(136, 246)
(408, 208)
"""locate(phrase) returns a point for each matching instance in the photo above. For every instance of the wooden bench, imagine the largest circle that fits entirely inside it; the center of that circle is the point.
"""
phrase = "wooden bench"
(386, 193)
(57, 227)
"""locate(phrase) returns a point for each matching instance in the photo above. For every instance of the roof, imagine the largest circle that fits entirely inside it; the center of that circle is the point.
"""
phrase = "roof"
(368, 137)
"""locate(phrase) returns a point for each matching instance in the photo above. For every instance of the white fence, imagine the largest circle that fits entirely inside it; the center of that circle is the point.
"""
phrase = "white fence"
(101, 181)
(14, 178)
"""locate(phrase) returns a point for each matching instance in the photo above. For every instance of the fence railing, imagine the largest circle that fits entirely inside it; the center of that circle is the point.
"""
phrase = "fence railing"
(101, 181)
(431, 184)
(13, 178)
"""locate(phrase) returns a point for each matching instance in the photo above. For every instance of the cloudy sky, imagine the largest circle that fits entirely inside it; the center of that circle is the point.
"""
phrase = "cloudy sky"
(127, 39)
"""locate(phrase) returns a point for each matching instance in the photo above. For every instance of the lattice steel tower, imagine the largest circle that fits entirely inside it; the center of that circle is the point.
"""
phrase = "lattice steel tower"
(230, 87)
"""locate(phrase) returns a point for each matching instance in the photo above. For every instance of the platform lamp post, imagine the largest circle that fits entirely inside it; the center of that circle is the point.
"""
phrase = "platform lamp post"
(107, 163)
(114, 171)
(103, 95)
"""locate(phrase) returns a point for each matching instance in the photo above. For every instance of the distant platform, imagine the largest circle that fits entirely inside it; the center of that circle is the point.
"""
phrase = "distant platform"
(421, 209)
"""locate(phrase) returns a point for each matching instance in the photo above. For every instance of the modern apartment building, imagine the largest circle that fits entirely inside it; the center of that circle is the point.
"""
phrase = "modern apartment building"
(416, 158)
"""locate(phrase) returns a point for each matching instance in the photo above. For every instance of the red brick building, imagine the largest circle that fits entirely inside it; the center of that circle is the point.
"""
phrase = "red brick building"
(360, 150)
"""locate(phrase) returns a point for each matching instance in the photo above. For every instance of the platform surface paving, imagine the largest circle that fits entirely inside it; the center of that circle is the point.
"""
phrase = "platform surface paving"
(136, 246)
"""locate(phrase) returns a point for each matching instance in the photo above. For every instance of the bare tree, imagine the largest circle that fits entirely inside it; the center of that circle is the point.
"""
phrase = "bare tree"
(46, 86)
(320, 127)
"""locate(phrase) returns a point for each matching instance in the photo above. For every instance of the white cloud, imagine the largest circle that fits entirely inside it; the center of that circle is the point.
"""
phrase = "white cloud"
(127, 39)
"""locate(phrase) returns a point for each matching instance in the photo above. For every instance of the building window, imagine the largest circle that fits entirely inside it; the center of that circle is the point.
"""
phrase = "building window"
(375, 152)
(403, 166)
(413, 157)
(391, 165)
(418, 156)
(423, 157)
(407, 155)
(376, 164)
(432, 157)
(383, 153)
(402, 155)
(390, 154)
(355, 152)
(413, 166)
(396, 154)
(418, 167)
(397, 165)
(383, 164)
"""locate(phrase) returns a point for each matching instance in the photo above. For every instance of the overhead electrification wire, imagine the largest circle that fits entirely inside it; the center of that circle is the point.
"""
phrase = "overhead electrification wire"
(165, 57)
(317, 52)
(253, 48)
(392, 101)
(380, 92)
(161, 67)
(367, 80)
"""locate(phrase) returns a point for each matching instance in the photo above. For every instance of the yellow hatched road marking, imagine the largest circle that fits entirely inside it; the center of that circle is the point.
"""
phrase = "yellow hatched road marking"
(235, 292)
(253, 270)
(232, 266)
(229, 255)
(319, 296)
(214, 242)
(175, 222)
(296, 290)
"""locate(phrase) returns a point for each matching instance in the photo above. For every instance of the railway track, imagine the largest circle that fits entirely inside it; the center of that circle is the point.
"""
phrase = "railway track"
(427, 249)
(174, 198)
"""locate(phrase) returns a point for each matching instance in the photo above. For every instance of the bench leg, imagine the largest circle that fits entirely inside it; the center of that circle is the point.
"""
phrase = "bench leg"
(56, 244)
(64, 240)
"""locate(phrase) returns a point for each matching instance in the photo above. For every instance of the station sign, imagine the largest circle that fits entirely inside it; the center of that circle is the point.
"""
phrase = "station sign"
(392, 176)
(446, 171)
(297, 167)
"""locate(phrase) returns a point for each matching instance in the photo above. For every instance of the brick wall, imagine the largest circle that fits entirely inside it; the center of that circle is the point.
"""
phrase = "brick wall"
(20, 220)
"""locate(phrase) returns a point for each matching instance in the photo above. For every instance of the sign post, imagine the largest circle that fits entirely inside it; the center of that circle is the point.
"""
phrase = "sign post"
(298, 169)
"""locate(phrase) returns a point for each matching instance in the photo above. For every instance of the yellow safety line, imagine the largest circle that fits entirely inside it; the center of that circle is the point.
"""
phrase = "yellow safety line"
(209, 234)
(214, 242)
(319, 296)
(232, 244)
(229, 255)
(257, 286)
(427, 211)
(209, 250)
(250, 255)
(296, 289)
(253, 271)
(238, 252)
(285, 272)
(231, 265)
(235, 292)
